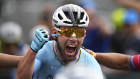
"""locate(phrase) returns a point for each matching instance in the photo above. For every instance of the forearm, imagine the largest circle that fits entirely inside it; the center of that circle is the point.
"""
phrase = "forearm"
(114, 60)
(26, 65)
(9, 60)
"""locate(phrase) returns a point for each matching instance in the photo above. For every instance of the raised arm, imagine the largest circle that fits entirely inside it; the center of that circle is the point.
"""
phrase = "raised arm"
(9, 60)
(118, 61)
(26, 65)
(114, 60)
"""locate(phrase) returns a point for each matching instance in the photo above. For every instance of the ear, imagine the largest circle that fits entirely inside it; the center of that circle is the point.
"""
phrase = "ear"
(54, 31)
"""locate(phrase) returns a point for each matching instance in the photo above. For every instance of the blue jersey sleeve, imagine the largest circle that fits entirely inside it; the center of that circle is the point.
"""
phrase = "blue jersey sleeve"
(39, 59)
(42, 54)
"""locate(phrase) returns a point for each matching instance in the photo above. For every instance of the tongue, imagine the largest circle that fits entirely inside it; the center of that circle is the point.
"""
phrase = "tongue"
(70, 49)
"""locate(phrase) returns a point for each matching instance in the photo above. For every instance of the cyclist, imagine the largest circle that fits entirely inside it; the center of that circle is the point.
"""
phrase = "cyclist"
(70, 22)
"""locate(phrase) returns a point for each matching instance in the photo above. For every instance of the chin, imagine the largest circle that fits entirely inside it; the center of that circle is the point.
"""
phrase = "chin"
(69, 59)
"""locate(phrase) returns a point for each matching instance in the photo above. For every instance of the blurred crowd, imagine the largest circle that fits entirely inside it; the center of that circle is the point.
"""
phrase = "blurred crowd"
(121, 34)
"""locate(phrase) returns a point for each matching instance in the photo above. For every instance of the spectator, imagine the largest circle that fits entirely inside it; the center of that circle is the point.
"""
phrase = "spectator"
(99, 32)
(127, 37)
(11, 35)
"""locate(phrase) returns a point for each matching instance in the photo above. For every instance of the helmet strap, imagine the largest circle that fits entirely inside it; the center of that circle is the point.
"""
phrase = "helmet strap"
(56, 39)
(58, 46)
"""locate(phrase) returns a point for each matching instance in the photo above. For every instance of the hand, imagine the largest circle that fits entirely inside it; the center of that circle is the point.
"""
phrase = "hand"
(40, 38)
(91, 52)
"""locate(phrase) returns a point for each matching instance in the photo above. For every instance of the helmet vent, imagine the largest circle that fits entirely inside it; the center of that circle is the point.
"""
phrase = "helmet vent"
(67, 22)
(67, 14)
(55, 21)
(86, 18)
(82, 23)
(82, 15)
(70, 15)
(75, 15)
(60, 17)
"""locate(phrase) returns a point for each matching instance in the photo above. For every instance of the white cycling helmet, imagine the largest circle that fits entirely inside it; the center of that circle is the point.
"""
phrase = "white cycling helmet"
(70, 15)
(10, 32)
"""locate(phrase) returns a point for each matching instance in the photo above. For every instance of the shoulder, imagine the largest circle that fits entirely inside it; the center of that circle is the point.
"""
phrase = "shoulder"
(49, 43)
(85, 53)
(46, 51)
(48, 46)
(88, 57)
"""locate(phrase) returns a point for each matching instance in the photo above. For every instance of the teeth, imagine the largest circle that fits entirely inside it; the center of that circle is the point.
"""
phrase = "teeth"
(71, 45)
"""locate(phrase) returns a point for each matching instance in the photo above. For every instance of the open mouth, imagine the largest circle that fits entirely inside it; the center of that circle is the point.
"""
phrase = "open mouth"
(70, 50)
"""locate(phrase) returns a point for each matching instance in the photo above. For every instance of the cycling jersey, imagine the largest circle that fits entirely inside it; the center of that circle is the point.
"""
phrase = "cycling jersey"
(47, 62)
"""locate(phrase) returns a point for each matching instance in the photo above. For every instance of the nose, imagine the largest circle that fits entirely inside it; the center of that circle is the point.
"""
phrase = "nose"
(73, 38)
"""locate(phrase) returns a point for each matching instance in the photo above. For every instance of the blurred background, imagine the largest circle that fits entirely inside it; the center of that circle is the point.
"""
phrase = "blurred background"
(28, 12)
(114, 27)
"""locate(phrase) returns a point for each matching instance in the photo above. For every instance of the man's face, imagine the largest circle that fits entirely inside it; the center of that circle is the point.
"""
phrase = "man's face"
(69, 46)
